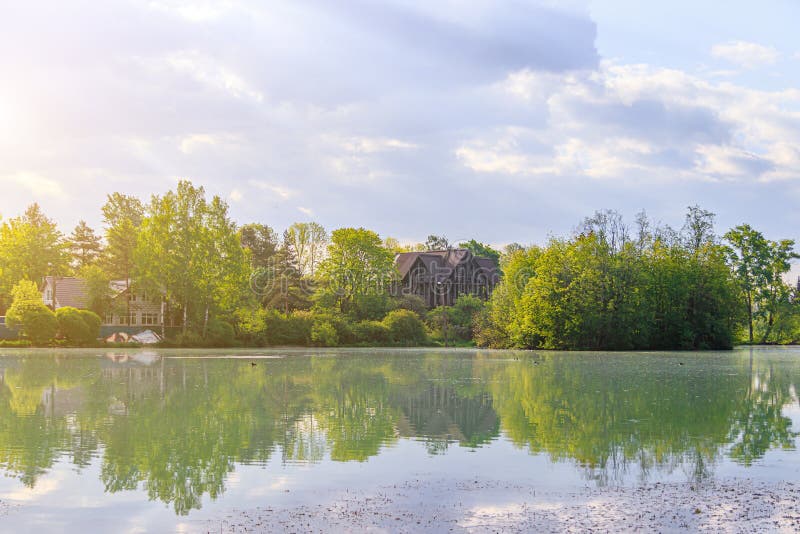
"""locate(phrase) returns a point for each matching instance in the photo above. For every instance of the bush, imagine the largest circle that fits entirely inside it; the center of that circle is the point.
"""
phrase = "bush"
(371, 307)
(220, 333)
(93, 321)
(71, 325)
(324, 334)
(283, 329)
(34, 320)
(413, 303)
(371, 332)
(405, 327)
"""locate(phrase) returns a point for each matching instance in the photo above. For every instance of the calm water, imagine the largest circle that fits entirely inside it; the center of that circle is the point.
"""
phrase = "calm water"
(142, 440)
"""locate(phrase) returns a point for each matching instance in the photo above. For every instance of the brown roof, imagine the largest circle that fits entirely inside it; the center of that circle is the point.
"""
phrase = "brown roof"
(69, 291)
(443, 260)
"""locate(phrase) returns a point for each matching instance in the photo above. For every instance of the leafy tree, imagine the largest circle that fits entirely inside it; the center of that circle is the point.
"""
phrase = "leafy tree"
(29, 314)
(122, 216)
(309, 242)
(261, 242)
(357, 264)
(84, 246)
(31, 247)
(98, 290)
(25, 290)
(749, 255)
(698, 228)
(189, 249)
(481, 250)
(437, 242)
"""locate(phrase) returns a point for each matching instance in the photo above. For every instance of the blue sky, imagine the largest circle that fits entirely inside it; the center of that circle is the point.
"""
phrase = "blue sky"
(502, 121)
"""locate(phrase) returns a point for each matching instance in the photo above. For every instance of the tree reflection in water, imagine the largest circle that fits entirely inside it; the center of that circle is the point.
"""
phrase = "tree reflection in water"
(177, 427)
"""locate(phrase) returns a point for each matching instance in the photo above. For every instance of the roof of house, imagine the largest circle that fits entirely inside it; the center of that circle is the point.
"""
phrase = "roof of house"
(70, 291)
(439, 261)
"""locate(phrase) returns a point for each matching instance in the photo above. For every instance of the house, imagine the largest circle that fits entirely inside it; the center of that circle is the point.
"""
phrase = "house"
(441, 276)
(142, 310)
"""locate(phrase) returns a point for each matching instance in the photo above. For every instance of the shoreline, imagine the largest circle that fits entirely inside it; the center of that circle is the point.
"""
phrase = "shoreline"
(469, 505)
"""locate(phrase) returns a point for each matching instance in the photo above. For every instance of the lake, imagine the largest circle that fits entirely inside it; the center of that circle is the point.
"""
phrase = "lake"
(151, 440)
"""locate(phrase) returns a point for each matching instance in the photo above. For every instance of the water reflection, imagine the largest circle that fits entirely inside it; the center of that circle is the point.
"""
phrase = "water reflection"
(176, 428)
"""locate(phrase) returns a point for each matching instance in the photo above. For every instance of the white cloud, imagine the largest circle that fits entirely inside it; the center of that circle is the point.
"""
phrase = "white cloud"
(371, 145)
(194, 142)
(745, 54)
(306, 211)
(37, 184)
(235, 195)
(211, 73)
(280, 191)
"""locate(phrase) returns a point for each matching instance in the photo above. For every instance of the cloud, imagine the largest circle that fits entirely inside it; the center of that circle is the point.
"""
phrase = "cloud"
(38, 185)
(282, 192)
(384, 115)
(745, 54)
(235, 195)
(211, 73)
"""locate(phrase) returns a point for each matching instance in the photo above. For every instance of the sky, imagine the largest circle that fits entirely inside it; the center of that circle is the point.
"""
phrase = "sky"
(501, 121)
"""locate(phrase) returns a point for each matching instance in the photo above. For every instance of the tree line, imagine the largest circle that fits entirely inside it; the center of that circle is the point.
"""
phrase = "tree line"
(613, 286)
(610, 285)
(222, 283)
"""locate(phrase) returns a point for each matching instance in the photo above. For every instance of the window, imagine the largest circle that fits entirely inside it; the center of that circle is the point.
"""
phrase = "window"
(149, 319)
(109, 319)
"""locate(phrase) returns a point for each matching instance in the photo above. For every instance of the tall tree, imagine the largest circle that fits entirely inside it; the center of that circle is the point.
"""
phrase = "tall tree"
(309, 241)
(481, 250)
(84, 246)
(189, 249)
(749, 258)
(698, 228)
(261, 242)
(122, 215)
(357, 264)
(437, 242)
(31, 247)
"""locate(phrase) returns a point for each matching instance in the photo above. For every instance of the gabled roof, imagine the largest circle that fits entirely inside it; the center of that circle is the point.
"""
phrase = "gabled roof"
(70, 291)
(441, 262)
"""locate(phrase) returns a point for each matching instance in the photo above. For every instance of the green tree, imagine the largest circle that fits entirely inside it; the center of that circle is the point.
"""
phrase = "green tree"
(122, 216)
(309, 242)
(261, 242)
(437, 242)
(189, 249)
(29, 314)
(481, 250)
(84, 246)
(31, 247)
(357, 264)
(749, 255)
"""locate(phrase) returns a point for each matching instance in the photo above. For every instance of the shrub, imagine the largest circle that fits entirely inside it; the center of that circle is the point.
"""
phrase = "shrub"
(324, 334)
(220, 333)
(371, 332)
(405, 327)
(286, 329)
(92, 321)
(35, 321)
(71, 325)
(371, 307)
(413, 303)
